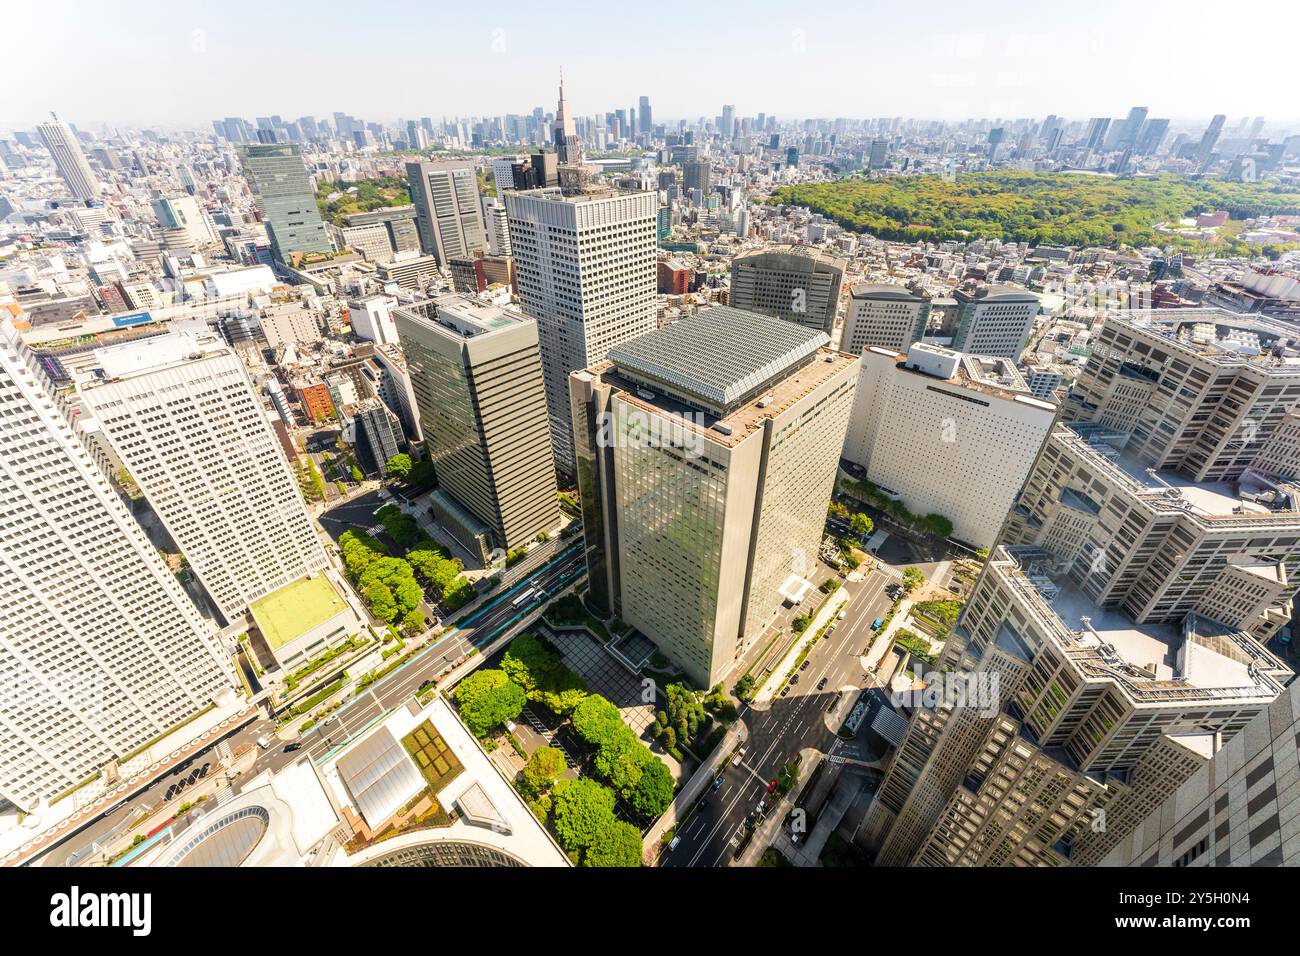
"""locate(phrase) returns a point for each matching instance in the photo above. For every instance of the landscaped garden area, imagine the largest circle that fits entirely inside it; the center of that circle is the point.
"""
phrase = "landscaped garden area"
(393, 587)
(437, 763)
(597, 818)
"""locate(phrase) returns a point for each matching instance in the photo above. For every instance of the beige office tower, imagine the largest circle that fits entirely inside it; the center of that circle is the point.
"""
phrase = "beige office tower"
(179, 412)
(100, 649)
(1238, 810)
(585, 270)
(1202, 391)
(1124, 615)
(993, 319)
(885, 316)
(477, 377)
(707, 454)
(798, 285)
(447, 211)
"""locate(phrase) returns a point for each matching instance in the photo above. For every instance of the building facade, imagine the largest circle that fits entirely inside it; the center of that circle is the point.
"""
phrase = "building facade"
(993, 320)
(707, 453)
(285, 199)
(585, 270)
(69, 159)
(887, 316)
(447, 212)
(477, 375)
(181, 414)
(797, 286)
(101, 651)
(947, 434)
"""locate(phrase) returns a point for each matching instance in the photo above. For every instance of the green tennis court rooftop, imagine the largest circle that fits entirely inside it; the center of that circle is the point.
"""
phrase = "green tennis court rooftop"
(289, 613)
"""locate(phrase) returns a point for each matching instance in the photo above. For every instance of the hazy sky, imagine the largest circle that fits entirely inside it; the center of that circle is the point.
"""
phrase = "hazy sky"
(169, 62)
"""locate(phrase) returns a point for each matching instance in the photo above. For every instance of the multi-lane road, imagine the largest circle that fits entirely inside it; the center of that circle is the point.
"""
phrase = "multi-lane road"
(778, 732)
(497, 617)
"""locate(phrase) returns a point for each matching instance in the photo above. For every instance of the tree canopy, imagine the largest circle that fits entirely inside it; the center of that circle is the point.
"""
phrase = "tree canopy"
(487, 699)
(1023, 206)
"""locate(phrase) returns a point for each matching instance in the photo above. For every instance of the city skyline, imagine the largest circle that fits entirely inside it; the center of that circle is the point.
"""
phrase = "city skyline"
(793, 66)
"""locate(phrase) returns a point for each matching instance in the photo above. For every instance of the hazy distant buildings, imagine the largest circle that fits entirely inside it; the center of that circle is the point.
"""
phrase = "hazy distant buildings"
(285, 199)
(69, 160)
(476, 372)
(101, 651)
(801, 286)
(585, 270)
(447, 209)
(707, 453)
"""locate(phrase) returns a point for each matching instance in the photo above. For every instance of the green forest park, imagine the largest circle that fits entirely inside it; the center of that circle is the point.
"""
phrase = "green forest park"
(1015, 205)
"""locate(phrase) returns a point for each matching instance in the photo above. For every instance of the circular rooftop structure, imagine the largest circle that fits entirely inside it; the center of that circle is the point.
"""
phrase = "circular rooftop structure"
(445, 853)
(227, 841)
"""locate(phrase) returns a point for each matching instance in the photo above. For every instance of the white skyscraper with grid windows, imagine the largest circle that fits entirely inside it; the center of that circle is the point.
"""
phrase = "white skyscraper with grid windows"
(180, 413)
(100, 649)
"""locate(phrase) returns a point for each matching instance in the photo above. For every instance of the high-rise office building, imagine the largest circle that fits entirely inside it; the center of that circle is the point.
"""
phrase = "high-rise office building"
(1205, 151)
(707, 453)
(498, 225)
(888, 316)
(179, 412)
(101, 651)
(1126, 135)
(69, 160)
(1237, 810)
(697, 174)
(993, 320)
(585, 270)
(1095, 137)
(568, 147)
(645, 119)
(447, 210)
(799, 285)
(878, 158)
(1119, 627)
(1200, 391)
(1152, 135)
(948, 434)
(285, 199)
(728, 122)
(477, 375)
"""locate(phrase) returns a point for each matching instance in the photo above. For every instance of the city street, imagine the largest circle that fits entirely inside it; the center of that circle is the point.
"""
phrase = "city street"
(787, 725)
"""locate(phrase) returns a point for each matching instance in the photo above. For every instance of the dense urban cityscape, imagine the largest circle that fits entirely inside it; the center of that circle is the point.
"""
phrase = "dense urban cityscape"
(595, 487)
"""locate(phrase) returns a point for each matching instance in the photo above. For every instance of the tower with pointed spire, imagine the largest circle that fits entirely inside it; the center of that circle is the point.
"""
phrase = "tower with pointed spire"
(568, 148)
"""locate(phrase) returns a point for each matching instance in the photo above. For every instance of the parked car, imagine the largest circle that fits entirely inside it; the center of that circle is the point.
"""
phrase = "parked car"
(821, 683)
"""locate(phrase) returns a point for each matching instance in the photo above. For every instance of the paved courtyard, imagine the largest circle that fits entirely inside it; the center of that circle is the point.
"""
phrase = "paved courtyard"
(607, 677)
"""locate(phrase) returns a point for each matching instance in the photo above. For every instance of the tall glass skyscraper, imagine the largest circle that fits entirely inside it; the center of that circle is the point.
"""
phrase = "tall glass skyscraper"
(285, 198)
